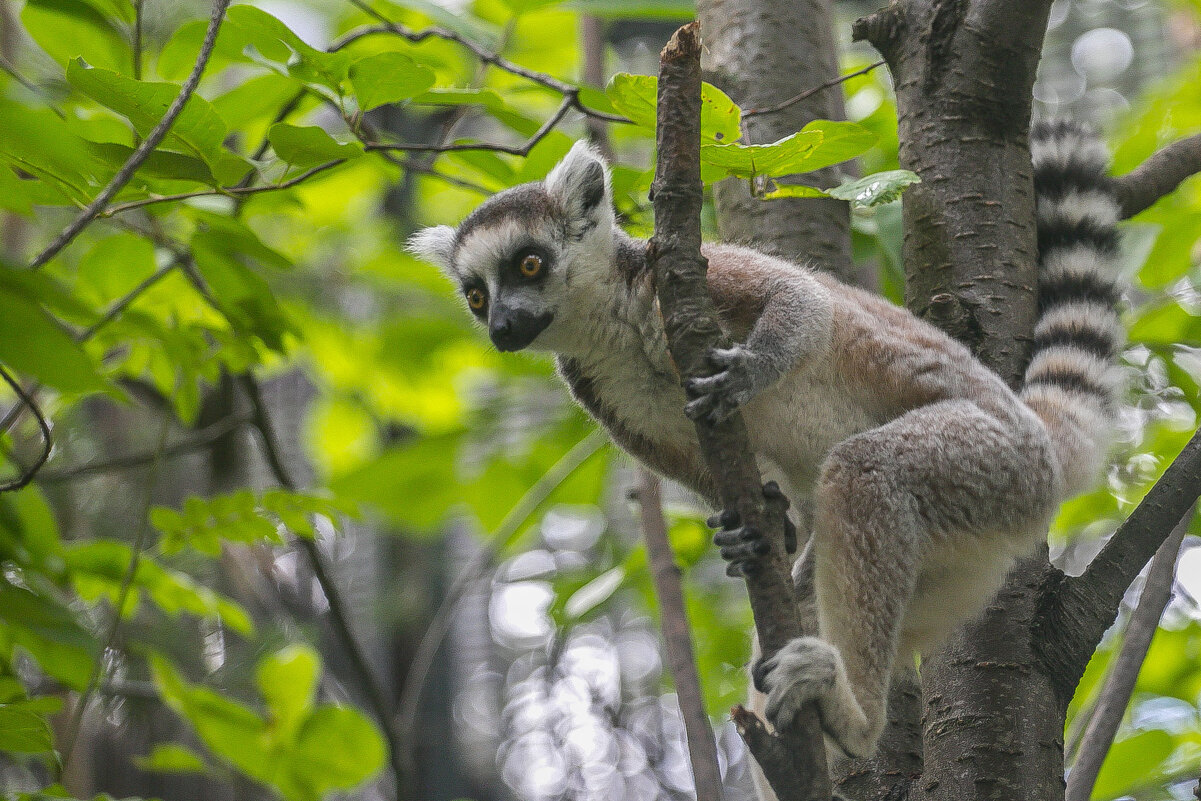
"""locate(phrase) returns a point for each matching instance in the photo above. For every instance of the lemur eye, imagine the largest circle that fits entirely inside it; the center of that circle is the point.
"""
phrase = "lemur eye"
(476, 298)
(531, 265)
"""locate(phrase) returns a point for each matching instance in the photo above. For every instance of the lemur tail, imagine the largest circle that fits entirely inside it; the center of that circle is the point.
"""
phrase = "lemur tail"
(1072, 382)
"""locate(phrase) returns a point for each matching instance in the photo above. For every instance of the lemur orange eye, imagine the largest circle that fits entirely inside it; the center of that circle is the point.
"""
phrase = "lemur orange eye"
(476, 299)
(531, 265)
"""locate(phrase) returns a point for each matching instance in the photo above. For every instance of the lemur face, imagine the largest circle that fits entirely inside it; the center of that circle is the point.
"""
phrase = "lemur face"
(515, 257)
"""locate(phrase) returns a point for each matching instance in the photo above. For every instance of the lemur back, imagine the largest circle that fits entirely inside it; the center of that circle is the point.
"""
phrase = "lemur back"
(918, 474)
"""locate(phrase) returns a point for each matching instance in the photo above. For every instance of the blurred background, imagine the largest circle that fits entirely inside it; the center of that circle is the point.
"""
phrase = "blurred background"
(480, 534)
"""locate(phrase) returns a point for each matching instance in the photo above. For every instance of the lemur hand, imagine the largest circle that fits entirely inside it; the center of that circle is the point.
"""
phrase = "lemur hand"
(741, 546)
(736, 381)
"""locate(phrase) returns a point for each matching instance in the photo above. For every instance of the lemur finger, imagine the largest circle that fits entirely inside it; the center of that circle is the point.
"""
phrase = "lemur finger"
(727, 518)
(724, 357)
(790, 542)
(708, 384)
(702, 407)
(736, 536)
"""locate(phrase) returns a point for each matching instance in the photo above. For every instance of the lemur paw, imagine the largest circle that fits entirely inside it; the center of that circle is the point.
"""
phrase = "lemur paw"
(716, 397)
(803, 671)
(742, 546)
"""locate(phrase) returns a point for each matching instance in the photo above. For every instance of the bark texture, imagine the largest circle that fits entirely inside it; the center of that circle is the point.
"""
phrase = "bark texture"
(761, 52)
(963, 74)
(692, 331)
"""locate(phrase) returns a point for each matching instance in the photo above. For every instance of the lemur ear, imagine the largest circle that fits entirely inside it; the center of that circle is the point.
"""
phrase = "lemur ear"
(435, 244)
(581, 180)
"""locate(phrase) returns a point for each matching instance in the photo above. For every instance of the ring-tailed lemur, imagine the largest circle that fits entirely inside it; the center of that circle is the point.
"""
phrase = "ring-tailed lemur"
(921, 475)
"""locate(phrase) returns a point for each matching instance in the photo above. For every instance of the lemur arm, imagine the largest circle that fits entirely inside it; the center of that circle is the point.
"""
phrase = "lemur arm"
(779, 316)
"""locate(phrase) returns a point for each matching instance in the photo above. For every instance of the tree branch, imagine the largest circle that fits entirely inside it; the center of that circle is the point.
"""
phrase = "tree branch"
(1159, 175)
(677, 640)
(199, 440)
(1075, 612)
(1115, 695)
(792, 101)
(261, 419)
(692, 331)
(143, 151)
(26, 400)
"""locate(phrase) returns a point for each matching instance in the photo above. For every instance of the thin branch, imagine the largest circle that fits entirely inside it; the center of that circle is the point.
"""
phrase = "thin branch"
(199, 440)
(1074, 612)
(29, 402)
(513, 150)
(473, 571)
(119, 307)
(692, 332)
(677, 640)
(1159, 175)
(783, 104)
(1115, 695)
(337, 608)
(7, 66)
(143, 151)
(127, 581)
(386, 26)
(225, 191)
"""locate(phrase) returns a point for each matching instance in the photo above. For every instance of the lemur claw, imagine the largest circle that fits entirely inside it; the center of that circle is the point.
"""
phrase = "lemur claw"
(742, 546)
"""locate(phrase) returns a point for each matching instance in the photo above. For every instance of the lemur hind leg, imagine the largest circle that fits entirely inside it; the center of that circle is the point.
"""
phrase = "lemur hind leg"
(889, 500)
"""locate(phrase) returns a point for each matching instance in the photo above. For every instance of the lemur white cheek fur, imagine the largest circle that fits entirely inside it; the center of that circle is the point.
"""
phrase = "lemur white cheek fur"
(921, 475)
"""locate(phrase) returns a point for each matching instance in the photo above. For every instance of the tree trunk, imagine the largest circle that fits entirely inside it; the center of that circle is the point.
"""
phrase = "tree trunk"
(761, 52)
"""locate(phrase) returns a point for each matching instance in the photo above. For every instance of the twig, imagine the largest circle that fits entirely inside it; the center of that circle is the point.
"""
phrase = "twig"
(1115, 694)
(119, 307)
(513, 150)
(783, 104)
(692, 332)
(27, 401)
(261, 420)
(387, 26)
(535, 496)
(127, 581)
(143, 151)
(677, 640)
(7, 66)
(199, 440)
(225, 191)
(1158, 175)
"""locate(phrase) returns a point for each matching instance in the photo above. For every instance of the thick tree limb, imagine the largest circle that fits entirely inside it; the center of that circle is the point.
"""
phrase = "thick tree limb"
(692, 331)
(1159, 175)
(1075, 612)
(1115, 695)
(677, 640)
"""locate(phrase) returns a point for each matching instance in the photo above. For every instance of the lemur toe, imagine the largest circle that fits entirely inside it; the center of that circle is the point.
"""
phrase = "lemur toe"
(804, 670)
(774, 495)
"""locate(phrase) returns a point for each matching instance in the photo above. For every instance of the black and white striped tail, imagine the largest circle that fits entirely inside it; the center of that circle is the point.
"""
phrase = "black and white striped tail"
(1072, 382)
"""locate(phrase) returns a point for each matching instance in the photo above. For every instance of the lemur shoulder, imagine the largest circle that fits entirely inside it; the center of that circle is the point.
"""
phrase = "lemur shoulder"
(919, 474)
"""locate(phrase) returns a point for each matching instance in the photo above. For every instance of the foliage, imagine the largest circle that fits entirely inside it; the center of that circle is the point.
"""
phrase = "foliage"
(256, 240)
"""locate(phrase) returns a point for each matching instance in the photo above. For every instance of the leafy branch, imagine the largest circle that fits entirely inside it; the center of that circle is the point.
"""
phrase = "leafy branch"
(147, 146)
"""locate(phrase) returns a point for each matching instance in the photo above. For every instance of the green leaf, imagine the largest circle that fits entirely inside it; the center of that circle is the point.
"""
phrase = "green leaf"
(24, 731)
(70, 29)
(793, 190)
(388, 78)
(875, 189)
(1130, 762)
(308, 146)
(636, 9)
(39, 346)
(840, 141)
(36, 141)
(635, 96)
(784, 157)
(198, 131)
(162, 164)
(276, 42)
(171, 758)
(359, 754)
(288, 681)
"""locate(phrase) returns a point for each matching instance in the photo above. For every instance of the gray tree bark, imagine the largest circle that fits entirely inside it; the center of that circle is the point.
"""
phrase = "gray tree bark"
(761, 52)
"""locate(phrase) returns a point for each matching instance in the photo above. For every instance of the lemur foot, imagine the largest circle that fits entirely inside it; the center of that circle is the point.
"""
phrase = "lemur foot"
(716, 397)
(742, 546)
(810, 670)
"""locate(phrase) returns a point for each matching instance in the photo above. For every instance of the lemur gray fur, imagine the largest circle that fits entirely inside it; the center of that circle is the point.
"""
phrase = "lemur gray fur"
(920, 475)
